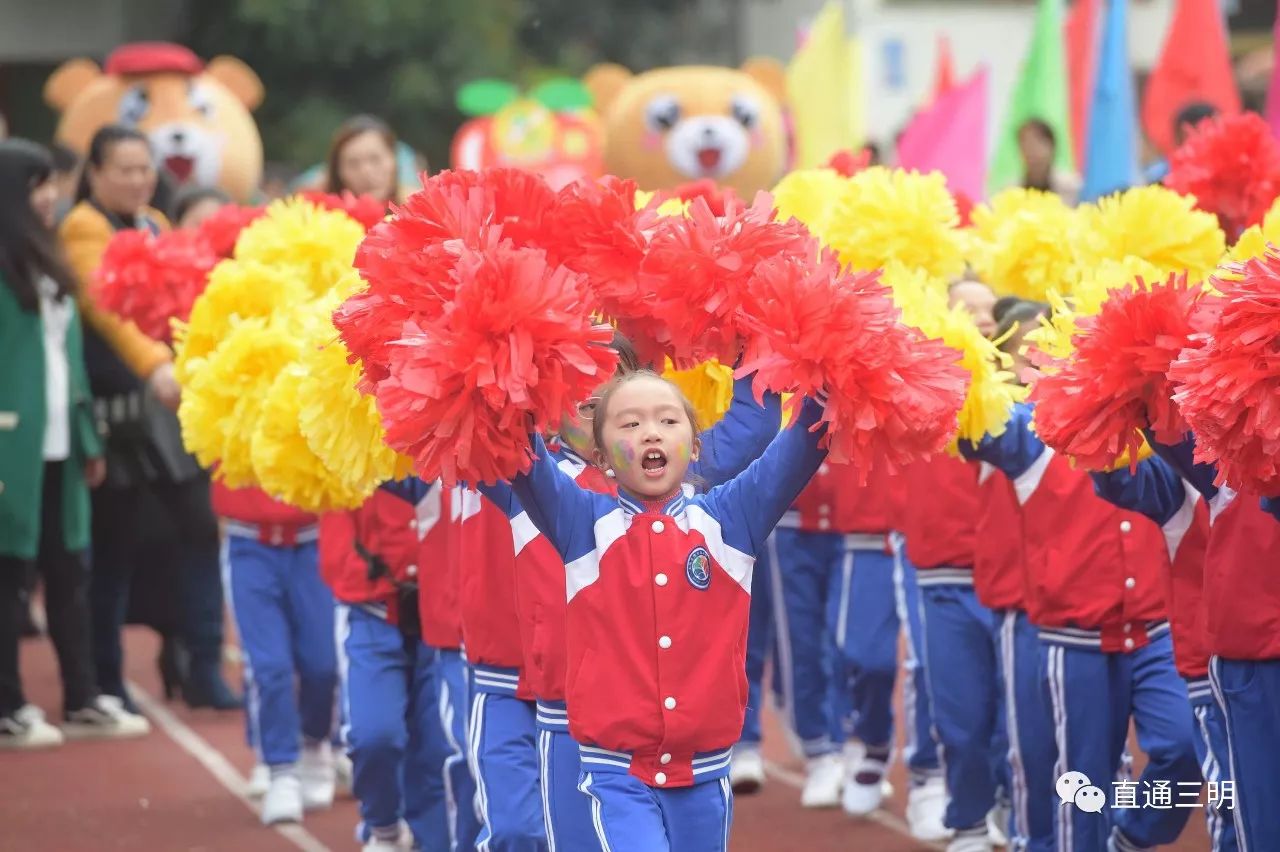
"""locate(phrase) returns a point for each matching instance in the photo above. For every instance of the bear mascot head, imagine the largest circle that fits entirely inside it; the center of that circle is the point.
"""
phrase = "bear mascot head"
(196, 115)
(670, 126)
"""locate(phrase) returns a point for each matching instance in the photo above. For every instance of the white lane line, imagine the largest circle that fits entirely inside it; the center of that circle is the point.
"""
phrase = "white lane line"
(891, 821)
(216, 764)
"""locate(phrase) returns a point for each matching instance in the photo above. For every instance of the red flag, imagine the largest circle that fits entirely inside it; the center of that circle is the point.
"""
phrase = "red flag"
(1082, 60)
(1194, 65)
(944, 73)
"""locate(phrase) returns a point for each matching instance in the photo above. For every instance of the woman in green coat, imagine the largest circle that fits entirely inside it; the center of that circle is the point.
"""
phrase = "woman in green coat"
(50, 456)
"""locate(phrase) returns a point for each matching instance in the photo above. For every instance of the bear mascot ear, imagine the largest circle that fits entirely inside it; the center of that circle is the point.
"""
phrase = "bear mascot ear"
(71, 78)
(604, 82)
(769, 73)
(239, 78)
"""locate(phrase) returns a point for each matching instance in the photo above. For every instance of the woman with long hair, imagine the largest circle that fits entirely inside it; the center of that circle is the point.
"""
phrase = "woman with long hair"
(362, 159)
(153, 512)
(50, 456)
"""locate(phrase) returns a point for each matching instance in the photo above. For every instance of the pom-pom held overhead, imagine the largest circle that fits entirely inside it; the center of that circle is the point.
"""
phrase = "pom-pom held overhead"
(894, 394)
(1023, 243)
(1228, 389)
(1231, 166)
(698, 268)
(152, 280)
(808, 195)
(517, 351)
(992, 390)
(223, 228)
(1253, 242)
(1154, 224)
(1093, 404)
(319, 244)
(884, 215)
(365, 209)
(708, 387)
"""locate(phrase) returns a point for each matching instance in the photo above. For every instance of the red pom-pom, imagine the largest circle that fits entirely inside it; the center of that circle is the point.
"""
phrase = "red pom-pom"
(1092, 405)
(514, 352)
(718, 198)
(1231, 164)
(848, 163)
(365, 209)
(153, 280)
(894, 395)
(1228, 388)
(222, 229)
(698, 268)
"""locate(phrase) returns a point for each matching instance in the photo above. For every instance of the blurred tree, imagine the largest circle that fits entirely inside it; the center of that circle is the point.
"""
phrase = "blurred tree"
(403, 60)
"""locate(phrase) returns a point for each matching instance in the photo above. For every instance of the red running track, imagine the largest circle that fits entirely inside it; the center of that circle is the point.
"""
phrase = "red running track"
(177, 788)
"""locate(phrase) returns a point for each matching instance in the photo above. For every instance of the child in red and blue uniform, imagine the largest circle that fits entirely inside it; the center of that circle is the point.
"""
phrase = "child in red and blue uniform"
(1096, 595)
(1242, 600)
(658, 584)
(369, 558)
(727, 448)
(284, 615)
(1155, 490)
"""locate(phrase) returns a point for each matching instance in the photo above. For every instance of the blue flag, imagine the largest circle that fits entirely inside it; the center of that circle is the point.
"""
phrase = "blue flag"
(1112, 161)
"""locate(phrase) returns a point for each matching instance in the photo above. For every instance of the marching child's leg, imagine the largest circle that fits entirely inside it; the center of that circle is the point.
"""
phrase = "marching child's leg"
(311, 608)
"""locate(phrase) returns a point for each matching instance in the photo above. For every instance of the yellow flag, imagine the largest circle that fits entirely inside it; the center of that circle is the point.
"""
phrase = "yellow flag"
(824, 90)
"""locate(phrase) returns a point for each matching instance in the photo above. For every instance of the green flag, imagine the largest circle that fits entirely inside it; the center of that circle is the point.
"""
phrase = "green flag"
(1041, 92)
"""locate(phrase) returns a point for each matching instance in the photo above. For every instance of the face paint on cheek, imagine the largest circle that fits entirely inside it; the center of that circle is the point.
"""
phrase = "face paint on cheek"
(682, 452)
(622, 454)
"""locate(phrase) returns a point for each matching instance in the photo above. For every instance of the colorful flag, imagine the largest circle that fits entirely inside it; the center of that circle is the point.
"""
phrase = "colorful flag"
(824, 90)
(1194, 65)
(1112, 160)
(944, 73)
(1082, 63)
(1041, 92)
(950, 136)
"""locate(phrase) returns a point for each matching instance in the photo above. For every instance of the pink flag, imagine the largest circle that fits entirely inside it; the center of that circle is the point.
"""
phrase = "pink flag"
(950, 136)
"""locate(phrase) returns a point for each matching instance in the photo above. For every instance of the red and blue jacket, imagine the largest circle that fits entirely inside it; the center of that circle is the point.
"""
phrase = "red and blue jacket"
(939, 519)
(1155, 490)
(439, 577)
(1095, 573)
(836, 502)
(251, 513)
(370, 557)
(658, 596)
(999, 552)
(727, 448)
(1272, 505)
(1241, 584)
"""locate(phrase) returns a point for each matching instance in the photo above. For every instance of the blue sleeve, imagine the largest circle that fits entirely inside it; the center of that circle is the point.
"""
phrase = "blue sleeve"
(501, 495)
(740, 437)
(1272, 505)
(1180, 457)
(411, 489)
(561, 510)
(1014, 450)
(1154, 489)
(750, 505)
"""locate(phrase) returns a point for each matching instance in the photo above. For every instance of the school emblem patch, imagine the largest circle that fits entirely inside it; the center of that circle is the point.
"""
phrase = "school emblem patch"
(698, 568)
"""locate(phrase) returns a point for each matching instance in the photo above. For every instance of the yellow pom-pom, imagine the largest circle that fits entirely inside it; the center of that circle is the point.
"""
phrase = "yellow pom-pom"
(222, 400)
(1057, 330)
(1253, 242)
(809, 196)
(993, 390)
(885, 215)
(237, 290)
(709, 386)
(1023, 244)
(320, 243)
(283, 463)
(1155, 224)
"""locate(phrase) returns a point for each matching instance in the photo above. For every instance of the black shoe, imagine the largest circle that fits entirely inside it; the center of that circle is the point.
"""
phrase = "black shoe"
(210, 690)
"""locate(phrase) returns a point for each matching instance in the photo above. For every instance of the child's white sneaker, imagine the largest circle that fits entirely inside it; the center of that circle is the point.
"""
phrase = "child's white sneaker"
(315, 769)
(283, 799)
(823, 778)
(746, 770)
(865, 785)
(105, 717)
(927, 810)
(259, 781)
(343, 773)
(27, 729)
(381, 841)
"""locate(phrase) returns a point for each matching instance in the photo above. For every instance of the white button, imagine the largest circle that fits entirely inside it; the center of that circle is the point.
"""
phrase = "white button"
(413, 525)
(1130, 583)
(660, 778)
(670, 703)
(661, 579)
(657, 526)
(1128, 644)
(664, 641)
(823, 470)
(412, 570)
(1125, 526)
(665, 759)
(823, 524)
(1128, 627)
